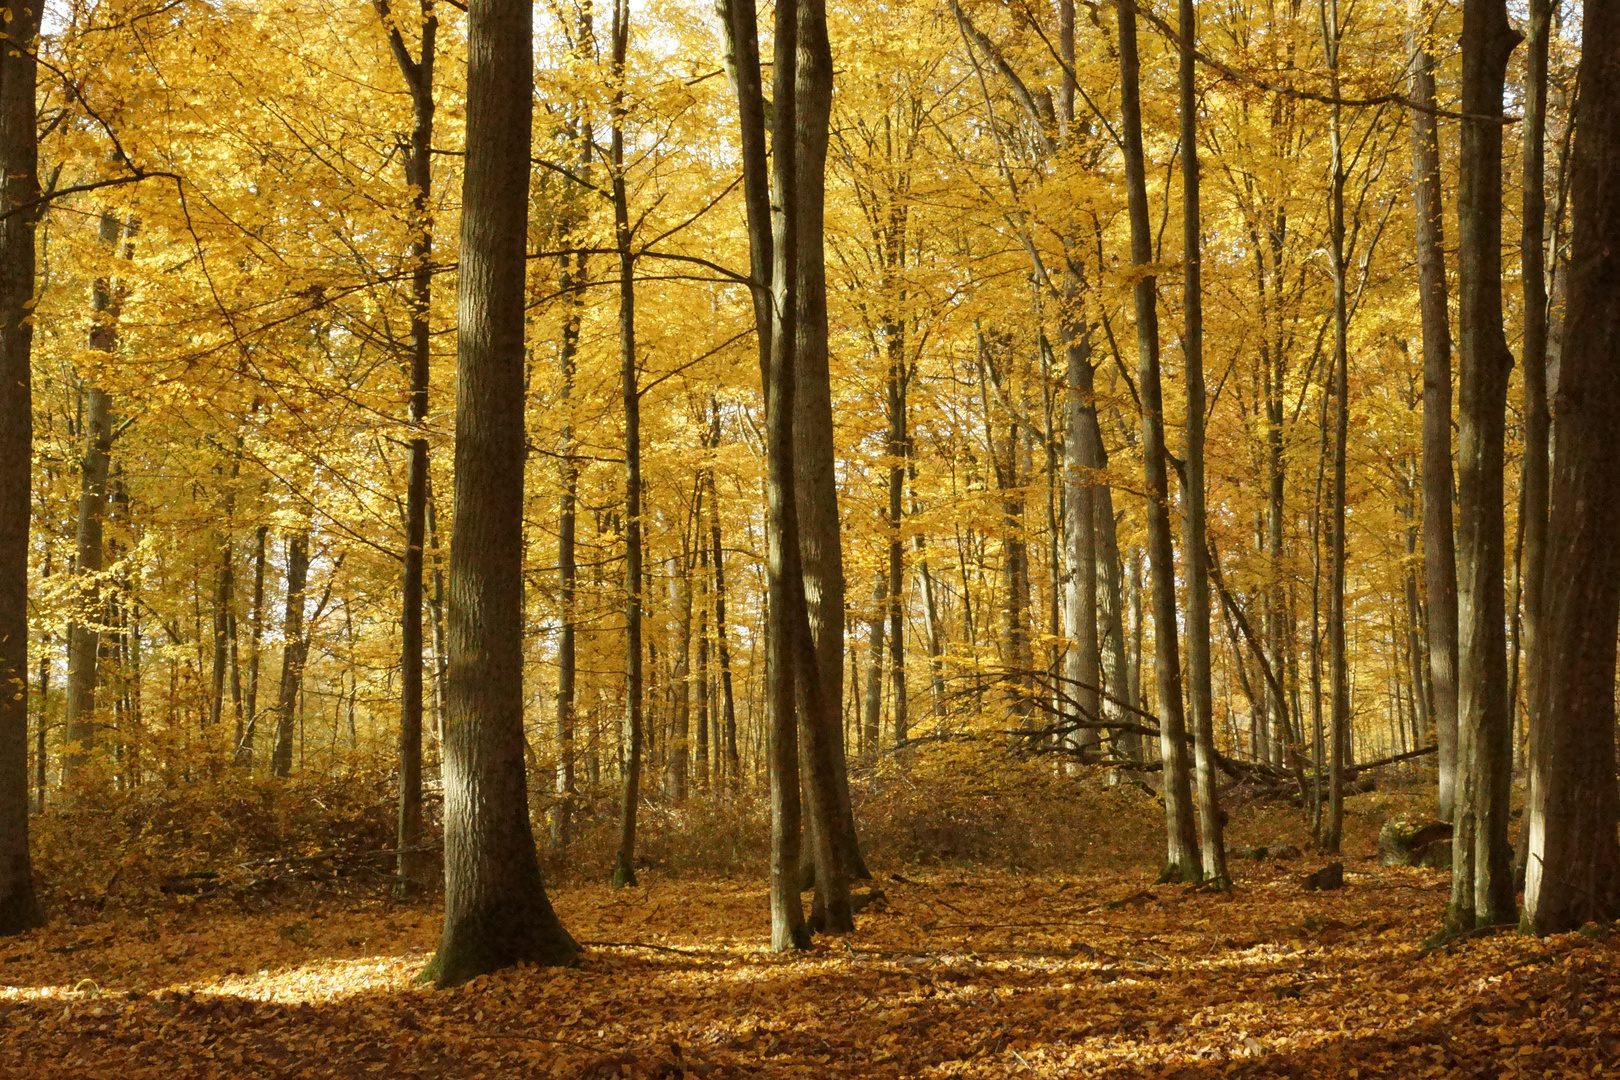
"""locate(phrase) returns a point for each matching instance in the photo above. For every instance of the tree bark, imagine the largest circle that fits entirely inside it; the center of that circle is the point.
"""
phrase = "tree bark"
(1182, 856)
(1573, 873)
(292, 652)
(19, 188)
(1482, 880)
(624, 869)
(496, 912)
(1439, 550)
(1533, 477)
(418, 75)
(1338, 673)
(244, 750)
(1212, 846)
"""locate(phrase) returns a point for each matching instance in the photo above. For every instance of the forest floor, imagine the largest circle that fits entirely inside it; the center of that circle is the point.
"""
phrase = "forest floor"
(960, 973)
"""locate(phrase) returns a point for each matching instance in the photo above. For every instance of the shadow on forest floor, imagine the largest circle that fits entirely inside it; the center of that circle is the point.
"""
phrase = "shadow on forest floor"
(962, 974)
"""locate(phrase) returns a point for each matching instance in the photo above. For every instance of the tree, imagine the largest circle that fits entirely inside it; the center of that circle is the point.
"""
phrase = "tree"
(1482, 880)
(1439, 550)
(417, 72)
(496, 911)
(1212, 846)
(1182, 859)
(1573, 873)
(19, 195)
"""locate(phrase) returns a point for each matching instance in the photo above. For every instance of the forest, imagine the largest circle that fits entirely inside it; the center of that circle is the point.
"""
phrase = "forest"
(953, 538)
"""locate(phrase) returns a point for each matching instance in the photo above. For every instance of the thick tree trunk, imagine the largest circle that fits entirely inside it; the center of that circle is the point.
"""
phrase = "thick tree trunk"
(1482, 880)
(1439, 550)
(815, 482)
(19, 188)
(1212, 845)
(496, 912)
(292, 652)
(1182, 858)
(1573, 873)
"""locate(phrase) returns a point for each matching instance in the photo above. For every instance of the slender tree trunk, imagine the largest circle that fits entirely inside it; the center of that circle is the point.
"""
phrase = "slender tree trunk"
(872, 720)
(84, 638)
(1338, 674)
(1212, 845)
(244, 750)
(1482, 879)
(896, 591)
(292, 652)
(418, 75)
(573, 283)
(1439, 550)
(19, 190)
(624, 869)
(1182, 858)
(1533, 480)
(496, 912)
(721, 645)
(1083, 661)
(1573, 874)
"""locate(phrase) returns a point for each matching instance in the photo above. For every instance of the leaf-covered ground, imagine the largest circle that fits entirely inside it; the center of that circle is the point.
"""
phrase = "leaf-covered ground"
(959, 974)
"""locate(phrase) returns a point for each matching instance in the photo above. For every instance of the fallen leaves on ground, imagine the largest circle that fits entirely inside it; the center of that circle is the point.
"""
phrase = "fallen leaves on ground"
(955, 974)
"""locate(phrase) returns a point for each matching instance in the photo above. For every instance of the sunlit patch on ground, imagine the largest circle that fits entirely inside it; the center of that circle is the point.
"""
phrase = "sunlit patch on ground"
(960, 974)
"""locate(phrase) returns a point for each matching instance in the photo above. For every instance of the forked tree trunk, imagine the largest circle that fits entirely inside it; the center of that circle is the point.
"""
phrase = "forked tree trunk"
(19, 188)
(1482, 879)
(496, 912)
(1182, 857)
(1573, 873)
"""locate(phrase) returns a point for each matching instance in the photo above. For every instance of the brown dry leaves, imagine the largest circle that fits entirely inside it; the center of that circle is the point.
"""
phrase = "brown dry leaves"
(963, 974)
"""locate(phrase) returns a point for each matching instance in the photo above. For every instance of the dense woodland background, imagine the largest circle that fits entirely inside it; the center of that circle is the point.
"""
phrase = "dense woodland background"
(1118, 429)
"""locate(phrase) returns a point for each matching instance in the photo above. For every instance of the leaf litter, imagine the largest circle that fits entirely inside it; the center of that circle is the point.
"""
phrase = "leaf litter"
(950, 973)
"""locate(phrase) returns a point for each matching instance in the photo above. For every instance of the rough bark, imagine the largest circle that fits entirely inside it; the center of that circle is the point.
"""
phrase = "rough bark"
(1338, 673)
(1573, 873)
(496, 912)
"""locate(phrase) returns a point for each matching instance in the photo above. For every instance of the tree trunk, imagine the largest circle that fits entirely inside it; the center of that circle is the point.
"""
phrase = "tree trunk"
(1338, 674)
(624, 869)
(1482, 880)
(417, 72)
(84, 639)
(19, 188)
(1533, 479)
(292, 652)
(244, 750)
(814, 479)
(1182, 859)
(1573, 874)
(722, 647)
(872, 720)
(496, 912)
(1213, 846)
(1439, 550)
(1083, 660)
(896, 589)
